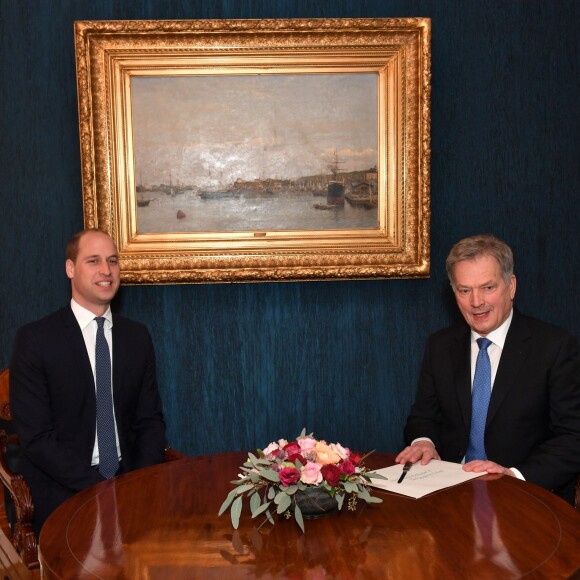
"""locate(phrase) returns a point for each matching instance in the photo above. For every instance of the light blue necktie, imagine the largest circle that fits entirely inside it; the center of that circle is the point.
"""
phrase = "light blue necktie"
(108, 458)
(480, 396)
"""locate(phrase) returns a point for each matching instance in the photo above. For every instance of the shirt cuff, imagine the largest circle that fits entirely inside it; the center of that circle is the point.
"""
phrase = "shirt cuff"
(423, 439)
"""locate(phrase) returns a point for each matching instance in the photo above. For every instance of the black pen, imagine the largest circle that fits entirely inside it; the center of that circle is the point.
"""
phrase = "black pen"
(406, 468)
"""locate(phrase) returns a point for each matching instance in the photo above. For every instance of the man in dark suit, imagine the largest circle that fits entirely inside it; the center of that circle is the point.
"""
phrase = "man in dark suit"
(530, 427)
(53, 388)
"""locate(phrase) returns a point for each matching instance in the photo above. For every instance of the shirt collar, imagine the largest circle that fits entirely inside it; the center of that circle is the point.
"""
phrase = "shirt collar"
(498, 335)
(85, 317)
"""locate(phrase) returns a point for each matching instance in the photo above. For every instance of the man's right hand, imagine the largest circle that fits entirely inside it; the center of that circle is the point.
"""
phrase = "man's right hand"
(422, 450)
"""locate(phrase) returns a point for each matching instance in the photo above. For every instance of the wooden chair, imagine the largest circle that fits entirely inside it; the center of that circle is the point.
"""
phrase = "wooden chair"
(22, 536)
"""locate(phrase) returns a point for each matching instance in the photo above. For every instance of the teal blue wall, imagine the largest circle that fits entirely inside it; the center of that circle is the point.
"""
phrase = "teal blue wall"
(240, 365)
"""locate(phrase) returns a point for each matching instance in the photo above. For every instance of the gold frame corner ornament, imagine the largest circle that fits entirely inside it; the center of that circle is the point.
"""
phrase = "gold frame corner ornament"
(110, 53)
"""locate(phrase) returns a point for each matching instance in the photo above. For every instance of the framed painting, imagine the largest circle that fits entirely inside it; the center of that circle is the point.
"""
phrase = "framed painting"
(257, 150)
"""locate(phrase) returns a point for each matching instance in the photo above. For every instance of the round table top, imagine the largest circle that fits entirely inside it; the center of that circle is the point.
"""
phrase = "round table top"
(161, 522)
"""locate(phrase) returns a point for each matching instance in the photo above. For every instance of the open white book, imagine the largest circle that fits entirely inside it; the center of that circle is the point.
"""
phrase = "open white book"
(423, 479)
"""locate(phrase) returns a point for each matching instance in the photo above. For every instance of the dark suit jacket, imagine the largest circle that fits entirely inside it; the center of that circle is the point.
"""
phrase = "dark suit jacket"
(53, 404)
(533, 421)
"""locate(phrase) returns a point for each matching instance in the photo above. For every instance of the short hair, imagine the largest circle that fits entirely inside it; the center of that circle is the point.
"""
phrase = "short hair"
(72, 246)
(474, 247)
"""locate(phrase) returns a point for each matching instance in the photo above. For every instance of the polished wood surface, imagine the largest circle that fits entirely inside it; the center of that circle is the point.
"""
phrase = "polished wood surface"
(161, 522)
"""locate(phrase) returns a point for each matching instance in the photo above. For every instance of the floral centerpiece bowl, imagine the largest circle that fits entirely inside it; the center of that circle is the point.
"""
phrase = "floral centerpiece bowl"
(305, 477)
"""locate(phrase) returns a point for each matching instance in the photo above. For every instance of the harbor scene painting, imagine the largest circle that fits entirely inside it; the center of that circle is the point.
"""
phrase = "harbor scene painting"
(242, 152)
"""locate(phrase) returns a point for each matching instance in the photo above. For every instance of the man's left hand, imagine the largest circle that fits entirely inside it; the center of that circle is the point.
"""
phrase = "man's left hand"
(478, 466)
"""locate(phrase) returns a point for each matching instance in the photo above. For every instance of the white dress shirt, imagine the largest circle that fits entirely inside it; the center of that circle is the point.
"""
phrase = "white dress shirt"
(88, 325)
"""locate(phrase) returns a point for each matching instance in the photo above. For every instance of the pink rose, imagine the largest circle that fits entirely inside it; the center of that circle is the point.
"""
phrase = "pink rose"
(307, 444)
(310, 474)
(271, 449)
(332, 474)
(289, 476)
(343, 452)
(346, 467)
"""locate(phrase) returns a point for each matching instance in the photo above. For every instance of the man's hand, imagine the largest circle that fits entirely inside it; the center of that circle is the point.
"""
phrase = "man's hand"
(479, 465)
(420, 450)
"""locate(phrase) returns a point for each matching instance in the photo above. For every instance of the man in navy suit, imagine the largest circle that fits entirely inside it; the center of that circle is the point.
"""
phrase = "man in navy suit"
(52, 384)
(532, 427)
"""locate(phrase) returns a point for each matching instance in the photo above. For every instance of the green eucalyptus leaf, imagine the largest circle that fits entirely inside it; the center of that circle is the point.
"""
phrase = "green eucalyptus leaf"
(298, 517)
(350, 487)
(291, 489)
(271, 492)
(255, 502)
(253, 459)
(270, 475)
(261, 509)
(236, 512)
(339, 499)
(279, 497)
(373, 475)
(227, 501)
(284, 503)
(243, 488)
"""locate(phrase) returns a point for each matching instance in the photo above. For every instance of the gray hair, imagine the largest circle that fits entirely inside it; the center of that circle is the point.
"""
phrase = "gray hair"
(482, 245)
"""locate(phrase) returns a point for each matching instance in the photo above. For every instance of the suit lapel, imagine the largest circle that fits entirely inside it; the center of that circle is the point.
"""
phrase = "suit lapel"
(461, 355)
(74, 337)
(512, 358)
(119, 356)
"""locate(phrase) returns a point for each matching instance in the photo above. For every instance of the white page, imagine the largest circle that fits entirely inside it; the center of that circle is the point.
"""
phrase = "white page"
(423, 479)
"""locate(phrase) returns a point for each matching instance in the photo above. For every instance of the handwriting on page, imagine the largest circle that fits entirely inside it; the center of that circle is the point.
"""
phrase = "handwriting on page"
(424, 474)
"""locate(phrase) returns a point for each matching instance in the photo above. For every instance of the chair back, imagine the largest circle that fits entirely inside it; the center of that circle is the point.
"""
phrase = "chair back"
(16, 489)
(5, 414)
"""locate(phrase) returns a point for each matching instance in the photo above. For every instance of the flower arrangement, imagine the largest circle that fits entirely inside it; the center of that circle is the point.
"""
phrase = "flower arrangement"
(287, 470)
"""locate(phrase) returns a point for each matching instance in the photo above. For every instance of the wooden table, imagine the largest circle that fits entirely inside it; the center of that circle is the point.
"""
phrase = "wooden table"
(161, 523)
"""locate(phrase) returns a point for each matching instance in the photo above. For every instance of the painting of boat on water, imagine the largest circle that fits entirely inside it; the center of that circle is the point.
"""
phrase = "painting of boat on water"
(256, 152)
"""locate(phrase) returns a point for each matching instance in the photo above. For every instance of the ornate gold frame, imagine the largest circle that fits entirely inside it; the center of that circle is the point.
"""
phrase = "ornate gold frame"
(108, 53)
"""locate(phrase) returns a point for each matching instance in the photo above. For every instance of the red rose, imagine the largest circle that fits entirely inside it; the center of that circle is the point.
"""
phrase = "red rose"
(346, 467)
(289, 476)
(297, 457)
(332, 474)
(355, 458)
(292, 448)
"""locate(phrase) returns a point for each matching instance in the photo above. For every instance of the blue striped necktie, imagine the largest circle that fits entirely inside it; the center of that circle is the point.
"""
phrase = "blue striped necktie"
(480, 396)
(108, 458)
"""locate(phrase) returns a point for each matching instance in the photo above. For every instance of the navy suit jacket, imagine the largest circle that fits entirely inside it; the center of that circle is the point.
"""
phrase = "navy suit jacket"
(53, 404)
(533, 420)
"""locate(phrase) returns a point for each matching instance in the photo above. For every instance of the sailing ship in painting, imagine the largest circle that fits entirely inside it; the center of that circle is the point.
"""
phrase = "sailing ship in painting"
(362, 192)
(142, 201)
(335, 188)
